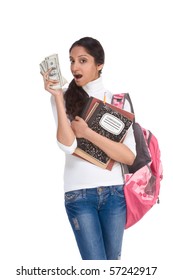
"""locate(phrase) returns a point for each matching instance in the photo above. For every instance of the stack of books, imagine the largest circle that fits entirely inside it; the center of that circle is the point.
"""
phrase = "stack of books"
(108, 121)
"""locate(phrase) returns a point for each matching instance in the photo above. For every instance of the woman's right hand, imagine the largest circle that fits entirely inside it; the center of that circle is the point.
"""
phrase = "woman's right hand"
(48, 83)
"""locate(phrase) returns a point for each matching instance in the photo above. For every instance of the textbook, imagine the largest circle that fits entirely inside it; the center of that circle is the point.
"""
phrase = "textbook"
(107, 120)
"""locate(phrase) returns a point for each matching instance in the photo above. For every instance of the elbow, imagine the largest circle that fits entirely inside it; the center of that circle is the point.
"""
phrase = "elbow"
(131, 159)
(65, 138)
(68, 149)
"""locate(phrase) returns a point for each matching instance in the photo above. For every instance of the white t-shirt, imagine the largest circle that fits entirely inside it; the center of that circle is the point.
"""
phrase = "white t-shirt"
(81, 174)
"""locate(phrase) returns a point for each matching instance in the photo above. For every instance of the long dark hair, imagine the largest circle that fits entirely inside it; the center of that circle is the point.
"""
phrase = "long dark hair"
(75, 96)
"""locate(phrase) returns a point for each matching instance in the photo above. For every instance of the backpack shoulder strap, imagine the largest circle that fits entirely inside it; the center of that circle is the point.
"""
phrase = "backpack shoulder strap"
(118, 99)
(127, 97)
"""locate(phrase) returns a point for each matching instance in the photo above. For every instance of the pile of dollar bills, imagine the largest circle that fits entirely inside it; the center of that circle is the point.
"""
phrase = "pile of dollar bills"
(52, 62)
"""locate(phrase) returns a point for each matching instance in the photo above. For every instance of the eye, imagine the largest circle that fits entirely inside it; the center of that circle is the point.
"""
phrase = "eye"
(71, 61)
(83, 60)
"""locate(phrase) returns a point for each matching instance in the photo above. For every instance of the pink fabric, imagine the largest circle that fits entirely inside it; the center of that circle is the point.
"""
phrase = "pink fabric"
(118, 100)
(137, 200)
(142, 187)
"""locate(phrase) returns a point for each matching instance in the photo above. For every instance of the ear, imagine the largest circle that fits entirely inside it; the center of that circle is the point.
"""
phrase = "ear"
(100, 67)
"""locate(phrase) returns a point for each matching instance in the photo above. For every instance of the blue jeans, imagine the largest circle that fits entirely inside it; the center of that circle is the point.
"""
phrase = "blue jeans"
(97, 217)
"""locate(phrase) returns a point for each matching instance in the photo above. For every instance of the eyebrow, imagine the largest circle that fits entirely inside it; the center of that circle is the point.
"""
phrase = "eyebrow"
(82, 55)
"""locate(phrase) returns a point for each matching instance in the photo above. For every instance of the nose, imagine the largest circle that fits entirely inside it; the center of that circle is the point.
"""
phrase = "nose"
(74, 66)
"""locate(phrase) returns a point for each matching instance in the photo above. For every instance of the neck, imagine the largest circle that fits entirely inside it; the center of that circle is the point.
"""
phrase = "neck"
(94, 88)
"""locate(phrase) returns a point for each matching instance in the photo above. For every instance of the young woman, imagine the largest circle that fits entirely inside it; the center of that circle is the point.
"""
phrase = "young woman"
(94, 197)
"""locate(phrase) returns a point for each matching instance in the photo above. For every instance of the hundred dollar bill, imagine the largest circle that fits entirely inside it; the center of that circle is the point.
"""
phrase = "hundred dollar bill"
(52, 62)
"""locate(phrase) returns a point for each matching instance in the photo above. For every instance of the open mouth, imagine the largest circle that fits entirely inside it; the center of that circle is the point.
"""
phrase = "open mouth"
(77, 76)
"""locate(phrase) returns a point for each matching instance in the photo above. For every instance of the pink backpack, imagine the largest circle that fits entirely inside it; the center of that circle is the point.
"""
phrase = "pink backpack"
(142, 179)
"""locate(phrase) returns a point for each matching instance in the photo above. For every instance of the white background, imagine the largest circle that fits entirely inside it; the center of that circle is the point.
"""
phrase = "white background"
(137, 38)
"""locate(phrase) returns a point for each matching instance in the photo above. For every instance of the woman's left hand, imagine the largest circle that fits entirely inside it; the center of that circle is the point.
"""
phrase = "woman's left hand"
(79, 127)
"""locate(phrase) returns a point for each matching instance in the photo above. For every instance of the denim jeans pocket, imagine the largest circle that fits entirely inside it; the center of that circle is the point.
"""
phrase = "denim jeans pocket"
(72, 196)
(119, 190)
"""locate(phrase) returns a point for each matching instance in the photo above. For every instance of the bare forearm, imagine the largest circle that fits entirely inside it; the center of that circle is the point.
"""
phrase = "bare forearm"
(65, 134)
(116, 151)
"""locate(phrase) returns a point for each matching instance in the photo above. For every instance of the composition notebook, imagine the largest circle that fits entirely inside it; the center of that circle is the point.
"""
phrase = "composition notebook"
(107, 120)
